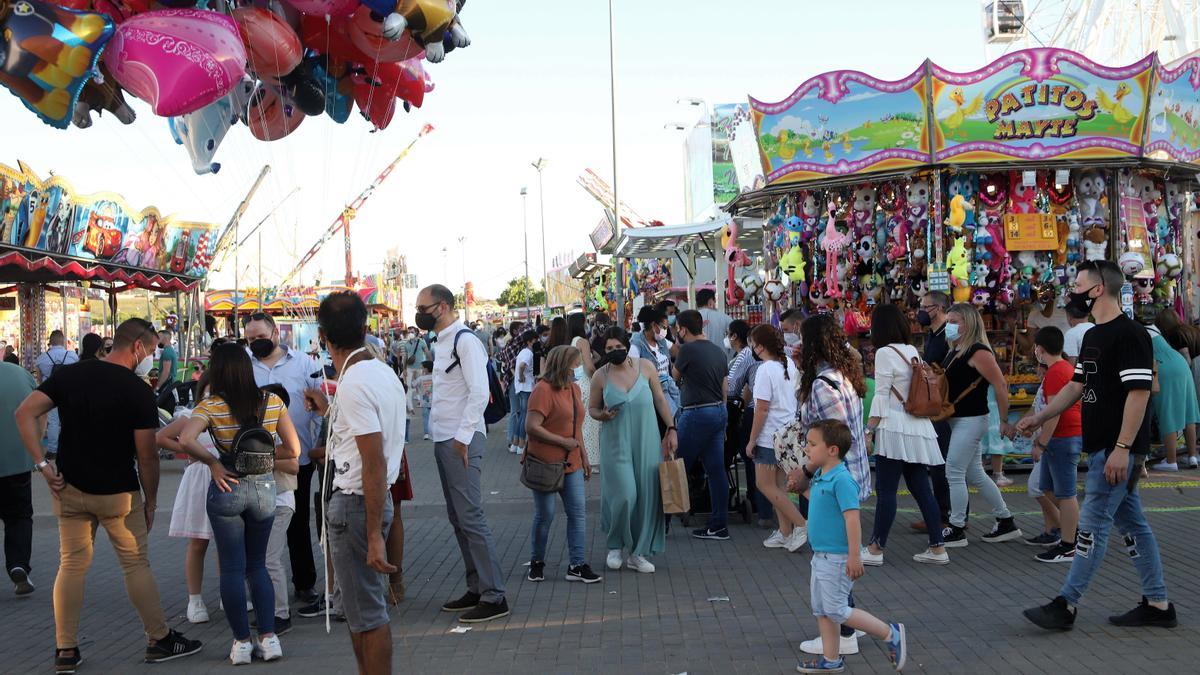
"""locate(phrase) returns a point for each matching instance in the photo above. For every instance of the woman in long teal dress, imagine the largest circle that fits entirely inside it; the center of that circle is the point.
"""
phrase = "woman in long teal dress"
(1175, 404)
(625, 397)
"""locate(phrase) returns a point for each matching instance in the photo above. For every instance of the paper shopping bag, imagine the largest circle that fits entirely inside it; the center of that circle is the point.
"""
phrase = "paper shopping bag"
(672, 480)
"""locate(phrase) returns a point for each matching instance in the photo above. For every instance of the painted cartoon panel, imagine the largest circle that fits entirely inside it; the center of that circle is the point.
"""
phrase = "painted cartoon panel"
(1039, 104)
(1175, 113)
(843, 122)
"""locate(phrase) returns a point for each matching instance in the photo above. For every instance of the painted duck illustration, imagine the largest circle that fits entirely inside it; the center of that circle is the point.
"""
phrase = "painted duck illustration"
(846, 146)
(961, 109)
(825, 145)
(807, 144)
(1113, 105)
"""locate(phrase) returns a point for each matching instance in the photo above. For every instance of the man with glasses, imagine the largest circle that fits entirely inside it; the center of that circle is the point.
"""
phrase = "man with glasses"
(932, 316)
(460, 394)
(109, 419)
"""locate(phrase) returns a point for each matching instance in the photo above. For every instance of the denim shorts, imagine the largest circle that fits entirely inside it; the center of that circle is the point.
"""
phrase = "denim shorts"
(363, 590)
(765, 455)
(1060, 462)
(830, 586)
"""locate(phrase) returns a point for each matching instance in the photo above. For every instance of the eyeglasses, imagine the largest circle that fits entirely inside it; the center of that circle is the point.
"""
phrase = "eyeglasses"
(424, 309)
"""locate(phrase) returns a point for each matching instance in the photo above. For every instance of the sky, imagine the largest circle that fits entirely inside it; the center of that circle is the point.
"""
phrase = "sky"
(534, 83)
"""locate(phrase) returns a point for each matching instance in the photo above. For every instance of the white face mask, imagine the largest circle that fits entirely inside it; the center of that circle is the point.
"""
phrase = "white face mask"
(144, 366)
(660, 334)
(791, 339)
(728, 345)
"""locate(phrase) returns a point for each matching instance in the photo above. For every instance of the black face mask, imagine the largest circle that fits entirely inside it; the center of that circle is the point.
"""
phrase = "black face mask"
(262, 348)
(923, 318)
(1081, 302)
(425, 321)
(756, 356)
(617, 356)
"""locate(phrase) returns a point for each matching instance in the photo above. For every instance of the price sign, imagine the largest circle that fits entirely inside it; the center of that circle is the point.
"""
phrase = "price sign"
(939, 278)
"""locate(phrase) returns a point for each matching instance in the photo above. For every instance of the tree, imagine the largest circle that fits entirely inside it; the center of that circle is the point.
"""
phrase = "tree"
(514, 295)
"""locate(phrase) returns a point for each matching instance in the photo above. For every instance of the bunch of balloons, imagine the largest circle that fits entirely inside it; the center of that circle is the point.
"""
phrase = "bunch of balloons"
(206, 64)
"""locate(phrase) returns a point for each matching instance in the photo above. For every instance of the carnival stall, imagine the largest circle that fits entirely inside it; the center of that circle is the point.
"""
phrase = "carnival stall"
(53, 239)
(990, 185)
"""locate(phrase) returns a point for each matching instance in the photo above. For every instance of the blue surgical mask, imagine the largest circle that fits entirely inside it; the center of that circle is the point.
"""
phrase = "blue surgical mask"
(951, 332)
(671, 320)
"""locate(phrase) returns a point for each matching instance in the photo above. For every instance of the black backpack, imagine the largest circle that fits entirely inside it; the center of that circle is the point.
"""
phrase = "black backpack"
(252, 451)
(497, 406)
(55, 366)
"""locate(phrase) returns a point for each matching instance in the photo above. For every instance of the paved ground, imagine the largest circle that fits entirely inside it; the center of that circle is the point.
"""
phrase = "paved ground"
(962, 618)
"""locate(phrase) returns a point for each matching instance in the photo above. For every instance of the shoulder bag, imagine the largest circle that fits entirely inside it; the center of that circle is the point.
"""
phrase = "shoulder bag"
(928, 394)
(542, 476)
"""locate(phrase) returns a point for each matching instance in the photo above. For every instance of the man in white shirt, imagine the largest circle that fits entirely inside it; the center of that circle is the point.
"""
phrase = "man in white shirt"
(460, 394)
(50, 361)
(716, 323)
(366, 444)
(1073, 338)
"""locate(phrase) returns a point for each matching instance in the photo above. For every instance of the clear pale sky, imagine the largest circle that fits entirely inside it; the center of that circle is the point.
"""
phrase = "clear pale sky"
(534, 83)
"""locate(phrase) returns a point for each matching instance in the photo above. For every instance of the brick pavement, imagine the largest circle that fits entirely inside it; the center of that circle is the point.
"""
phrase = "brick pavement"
(962, 618)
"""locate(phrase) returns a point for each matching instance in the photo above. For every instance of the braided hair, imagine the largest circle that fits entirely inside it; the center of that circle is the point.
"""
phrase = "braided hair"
(770, 339)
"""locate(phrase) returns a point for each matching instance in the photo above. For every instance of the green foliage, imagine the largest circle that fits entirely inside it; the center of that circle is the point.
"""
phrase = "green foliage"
(514, 294)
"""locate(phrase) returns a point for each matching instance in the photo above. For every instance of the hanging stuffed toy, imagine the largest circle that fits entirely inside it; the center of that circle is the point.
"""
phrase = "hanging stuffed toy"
(735, 257)
(833, 243)
(916, 210)
(959, 267)
(863, 210)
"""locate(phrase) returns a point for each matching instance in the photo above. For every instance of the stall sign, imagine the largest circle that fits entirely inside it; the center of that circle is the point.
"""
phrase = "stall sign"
(602, 234)
(1030, 232)
(735, 163)
(1174, 133)
(8, 303)
(49, 216)
(1039, 104)
(843, 122)
(939, 278)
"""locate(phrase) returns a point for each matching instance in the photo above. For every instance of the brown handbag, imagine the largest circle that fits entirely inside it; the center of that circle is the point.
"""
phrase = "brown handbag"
(542, 476)
(928, 390)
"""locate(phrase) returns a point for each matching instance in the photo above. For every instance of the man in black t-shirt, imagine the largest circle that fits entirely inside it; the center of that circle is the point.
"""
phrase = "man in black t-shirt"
(932, 315)
(1113, 375)
(109, 419)
(701, 366)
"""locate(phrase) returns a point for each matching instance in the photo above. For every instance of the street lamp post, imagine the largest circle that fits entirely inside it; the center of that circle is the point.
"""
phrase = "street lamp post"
(539, 165)
(525, 229)
(612, 96)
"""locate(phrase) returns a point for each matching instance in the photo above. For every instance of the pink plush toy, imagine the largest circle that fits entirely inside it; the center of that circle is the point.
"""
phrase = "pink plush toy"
(833, 243)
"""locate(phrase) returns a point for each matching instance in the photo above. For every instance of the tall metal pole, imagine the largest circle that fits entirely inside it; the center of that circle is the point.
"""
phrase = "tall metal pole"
(539, 165)
(525, 229)
(462, 247)
(612, 88)
(232, 229)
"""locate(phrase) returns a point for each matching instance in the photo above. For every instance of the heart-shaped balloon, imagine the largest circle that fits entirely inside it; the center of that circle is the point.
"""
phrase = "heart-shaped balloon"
(177, 60)
(272, 46)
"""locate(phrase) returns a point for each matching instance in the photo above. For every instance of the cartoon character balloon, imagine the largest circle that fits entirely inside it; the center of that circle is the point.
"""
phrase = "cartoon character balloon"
(202, 131)
(49, 54)
(271, 45)
(208, 58)
(323, 8)
(270, 115)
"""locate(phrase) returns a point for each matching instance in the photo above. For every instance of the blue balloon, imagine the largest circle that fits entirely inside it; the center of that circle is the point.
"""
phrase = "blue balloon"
(337, 105)
(202, 131)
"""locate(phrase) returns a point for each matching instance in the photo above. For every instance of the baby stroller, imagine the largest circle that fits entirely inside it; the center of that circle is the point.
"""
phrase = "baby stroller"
(701, 501)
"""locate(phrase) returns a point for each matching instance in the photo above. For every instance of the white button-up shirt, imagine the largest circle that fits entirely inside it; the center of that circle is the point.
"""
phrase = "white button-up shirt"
(294, 371)
(459, 396)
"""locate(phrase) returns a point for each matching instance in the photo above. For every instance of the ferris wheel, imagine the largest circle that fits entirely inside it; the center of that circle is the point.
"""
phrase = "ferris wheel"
(1111, 32)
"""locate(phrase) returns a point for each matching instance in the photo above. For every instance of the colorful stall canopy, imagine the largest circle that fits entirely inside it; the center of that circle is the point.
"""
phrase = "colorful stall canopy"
(379, 293)
(290, 301)
(48, 232)
(1035, 104)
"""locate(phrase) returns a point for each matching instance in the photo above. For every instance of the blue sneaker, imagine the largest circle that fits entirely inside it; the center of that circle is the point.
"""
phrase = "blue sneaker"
(898, 646)
(822, 665)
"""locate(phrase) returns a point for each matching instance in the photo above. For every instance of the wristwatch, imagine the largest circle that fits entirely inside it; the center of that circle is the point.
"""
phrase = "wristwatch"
(42, 464)
(1123, 446)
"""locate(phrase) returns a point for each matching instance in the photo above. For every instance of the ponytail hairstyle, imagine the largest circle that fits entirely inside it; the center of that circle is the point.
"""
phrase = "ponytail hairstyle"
(771, 340)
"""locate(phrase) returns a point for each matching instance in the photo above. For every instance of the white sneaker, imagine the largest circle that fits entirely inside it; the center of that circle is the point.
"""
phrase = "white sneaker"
(427, 437)
(197, 612)
(1003, 481)
(512, 449)
(613, 561)
(797, 539)
(930, 558)
(871, 559)
(846, 646)
(241, 653)
(639, 564)
(520, 451)
(776, 540)
(1193, 462)
(1165, 466)
(269, 649)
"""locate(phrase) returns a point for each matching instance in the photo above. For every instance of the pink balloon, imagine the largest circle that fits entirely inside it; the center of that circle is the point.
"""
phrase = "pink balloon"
(325, 7)
(177, 60)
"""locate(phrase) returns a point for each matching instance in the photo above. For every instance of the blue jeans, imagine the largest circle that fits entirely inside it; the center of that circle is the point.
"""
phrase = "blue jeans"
(516, 419)
(887, 481)
(1103, 506)
(1060, 465)
(425, 418)
(53, 428)
(512, 413)
(543, 515)
(702, 435)
(241, 523)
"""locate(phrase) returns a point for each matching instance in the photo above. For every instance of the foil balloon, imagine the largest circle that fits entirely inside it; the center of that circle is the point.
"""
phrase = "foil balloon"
(49, 54)
(177, 60)
(304, 89)
(331, 38)
(272, 46)
(99, 94)
(120, 10)
(338, 90)
(202, 131)
(406, 81)
(368, 34)
(323, 8)
(270, 115)
(374, 102)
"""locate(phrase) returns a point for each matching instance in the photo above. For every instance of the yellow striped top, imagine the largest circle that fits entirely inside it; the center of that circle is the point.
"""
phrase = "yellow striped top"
(224, 426)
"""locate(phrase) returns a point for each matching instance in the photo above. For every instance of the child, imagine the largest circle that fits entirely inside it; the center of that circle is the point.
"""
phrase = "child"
(836, 539)
(285, 507)
(424, 393)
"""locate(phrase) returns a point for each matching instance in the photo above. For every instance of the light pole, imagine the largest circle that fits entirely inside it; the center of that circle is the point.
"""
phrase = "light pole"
(462, 247)
(525, 229)
(612, 96)
(539, 165)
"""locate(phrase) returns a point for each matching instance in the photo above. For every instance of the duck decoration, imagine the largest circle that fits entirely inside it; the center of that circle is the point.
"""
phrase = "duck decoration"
(1113, 106)
(962, 110)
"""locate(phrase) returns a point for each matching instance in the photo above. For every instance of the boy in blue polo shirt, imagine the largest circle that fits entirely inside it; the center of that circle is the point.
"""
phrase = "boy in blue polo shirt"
(835, 535)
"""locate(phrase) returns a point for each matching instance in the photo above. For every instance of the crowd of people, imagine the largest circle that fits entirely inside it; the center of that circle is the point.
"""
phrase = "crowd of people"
(587, 397)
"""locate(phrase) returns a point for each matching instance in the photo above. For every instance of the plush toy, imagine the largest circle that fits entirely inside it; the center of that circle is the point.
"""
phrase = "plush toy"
(793, 226)
(962, 215)
(1143, 290)
(981, 297)
(1147, 190)
(1174, 199)
(959, 267)
(865, 250)
(792, 264)
(810, 211)
(1095, 243)
(919, 287)
(1022, 198)
(916, 209)
(919, 254)
(871, 286)
(1073, 236)
(979, 273)
(1089, 190)
(1131, 263)
(863, 209)
(833, 242)
(819, 297)
(735, 257)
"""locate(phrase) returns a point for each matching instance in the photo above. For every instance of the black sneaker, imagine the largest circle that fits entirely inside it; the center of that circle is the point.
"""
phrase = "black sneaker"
(1054, 615)
(1044, 539)
(21, 583)
(173, 646)
(468, 601)
(954, 537)
(282, 625)
(307, 596)
(318, 609)
(1146, 614)
(582, 573)
(537, 571)
(717, 535)
(485, 611)
(1005, 530)
(1064, 552)
(67, 660)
